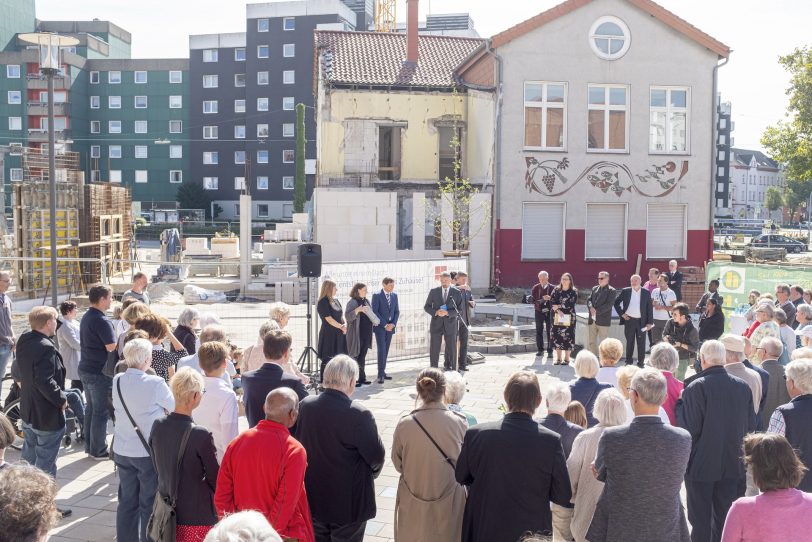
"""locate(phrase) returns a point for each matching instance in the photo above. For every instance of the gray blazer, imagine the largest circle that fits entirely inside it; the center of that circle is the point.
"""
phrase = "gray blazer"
(354, 328)
(640, 502)
(71, 351)
(777, 394)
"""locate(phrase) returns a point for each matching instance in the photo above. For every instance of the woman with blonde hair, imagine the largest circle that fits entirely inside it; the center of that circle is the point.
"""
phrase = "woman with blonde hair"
(333, 330)
(576, 413)
(624, 382)
(562, 334)
(609, 351)
(425, 447)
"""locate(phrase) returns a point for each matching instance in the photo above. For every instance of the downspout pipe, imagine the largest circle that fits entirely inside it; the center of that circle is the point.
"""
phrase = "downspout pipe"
(714, 154)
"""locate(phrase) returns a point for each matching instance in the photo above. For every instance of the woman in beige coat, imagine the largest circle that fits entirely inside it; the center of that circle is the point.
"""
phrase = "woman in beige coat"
(610, 410)
(430, 502)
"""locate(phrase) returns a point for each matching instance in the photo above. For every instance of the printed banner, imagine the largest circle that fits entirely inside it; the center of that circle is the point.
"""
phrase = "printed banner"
(737, 279)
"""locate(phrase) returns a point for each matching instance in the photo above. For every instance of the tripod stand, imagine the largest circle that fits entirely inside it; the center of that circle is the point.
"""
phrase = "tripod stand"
(309, 354)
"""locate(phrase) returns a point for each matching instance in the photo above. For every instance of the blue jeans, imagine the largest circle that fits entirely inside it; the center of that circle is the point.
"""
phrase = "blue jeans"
(74, 398)
(5, 357)
(41, 447)
(98, 388)
(137, 485)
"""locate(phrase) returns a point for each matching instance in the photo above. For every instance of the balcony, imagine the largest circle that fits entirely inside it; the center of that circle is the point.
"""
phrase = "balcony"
(41, 109)
(40, 135)
(37, 82)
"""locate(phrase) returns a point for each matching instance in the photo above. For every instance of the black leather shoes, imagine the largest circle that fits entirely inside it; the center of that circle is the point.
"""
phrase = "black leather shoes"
(387, 377)
(380, 380)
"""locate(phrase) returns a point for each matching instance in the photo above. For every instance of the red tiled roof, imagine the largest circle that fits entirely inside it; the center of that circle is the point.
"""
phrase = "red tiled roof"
(377, 59)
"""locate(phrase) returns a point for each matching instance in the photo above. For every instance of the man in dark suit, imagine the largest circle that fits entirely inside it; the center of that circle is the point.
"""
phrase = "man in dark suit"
(468, 303)
(386, 308)
(775, 391)
(717, 409)
(443, 304)
(674, 279)
(513, 469)
(257, 384)
(635, 310)
(344, 455)
(639, 502)
(600, 304)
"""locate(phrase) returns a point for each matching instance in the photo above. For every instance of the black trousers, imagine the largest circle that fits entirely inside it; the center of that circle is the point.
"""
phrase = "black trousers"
(708, 504)
(362, 362)
(331, 532)
(462, 358)
(449, 334)
(634, 334)
(543, 325)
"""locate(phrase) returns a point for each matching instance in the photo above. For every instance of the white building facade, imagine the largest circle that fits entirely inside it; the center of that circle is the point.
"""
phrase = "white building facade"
(752, 173)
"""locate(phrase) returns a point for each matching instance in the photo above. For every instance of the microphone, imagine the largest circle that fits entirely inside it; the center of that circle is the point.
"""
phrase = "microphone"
(458, 309)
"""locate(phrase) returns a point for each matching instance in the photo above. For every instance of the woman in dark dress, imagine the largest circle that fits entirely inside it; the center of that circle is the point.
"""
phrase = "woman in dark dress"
(712, 322)
(196, 478)
(332, 340)
(563, 332)
(360, 320)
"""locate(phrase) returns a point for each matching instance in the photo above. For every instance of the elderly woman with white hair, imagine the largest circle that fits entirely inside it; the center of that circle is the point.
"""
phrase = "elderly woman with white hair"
(766, 328)
(786, 332)
(803, 317)
(665, 358)
(454, 392)
(792, 419)
(280, 313)
(185, 330)
(248, 526)
(586, 388)
(610, 411)
(139, 400)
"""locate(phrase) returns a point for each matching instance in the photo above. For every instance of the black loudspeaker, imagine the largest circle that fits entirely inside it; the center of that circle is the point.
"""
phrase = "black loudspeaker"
(310, 260)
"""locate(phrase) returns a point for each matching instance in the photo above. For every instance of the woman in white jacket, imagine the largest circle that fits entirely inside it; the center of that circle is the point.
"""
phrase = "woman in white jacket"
(69, 348)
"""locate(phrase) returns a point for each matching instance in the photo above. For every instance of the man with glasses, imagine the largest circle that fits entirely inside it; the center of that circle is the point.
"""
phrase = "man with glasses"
(541, 294)
(7, 338)
(600, 304)
(782, 301)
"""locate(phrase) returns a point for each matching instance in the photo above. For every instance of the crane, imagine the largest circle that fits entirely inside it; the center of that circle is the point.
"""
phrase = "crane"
(385, 15)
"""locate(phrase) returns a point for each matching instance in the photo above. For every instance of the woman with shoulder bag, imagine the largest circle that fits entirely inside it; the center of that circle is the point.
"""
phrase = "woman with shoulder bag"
(139, 399)
(430, 503)
(186, 460)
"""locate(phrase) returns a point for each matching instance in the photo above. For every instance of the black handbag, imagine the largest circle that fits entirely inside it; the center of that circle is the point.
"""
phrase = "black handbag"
(163, 521)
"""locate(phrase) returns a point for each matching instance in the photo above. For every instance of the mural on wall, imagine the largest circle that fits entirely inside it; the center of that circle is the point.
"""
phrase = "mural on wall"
(655, 181)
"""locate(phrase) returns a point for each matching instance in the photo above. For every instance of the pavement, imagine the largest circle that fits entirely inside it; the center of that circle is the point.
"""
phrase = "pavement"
(89, 487)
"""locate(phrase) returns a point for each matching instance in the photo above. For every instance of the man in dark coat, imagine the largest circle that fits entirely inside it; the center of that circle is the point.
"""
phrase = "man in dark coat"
(444, 304)
(774, 386)
(386, 308)
(633, 304)
(344, 455)
(468, 304)
(792, 419)
(641, 498)
(600, 304)
(674, 278)
(717, 410)
(542, 303)
(257, 384)
(513, 469)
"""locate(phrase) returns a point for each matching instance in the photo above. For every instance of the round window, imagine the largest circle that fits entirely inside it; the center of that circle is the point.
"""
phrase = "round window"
(609, 38)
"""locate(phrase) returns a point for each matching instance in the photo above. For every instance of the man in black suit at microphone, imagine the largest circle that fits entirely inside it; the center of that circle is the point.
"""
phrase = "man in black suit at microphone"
(443, 304)
(461, 280)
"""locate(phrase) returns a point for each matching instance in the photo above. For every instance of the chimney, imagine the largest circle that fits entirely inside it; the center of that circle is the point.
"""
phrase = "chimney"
(412, 50)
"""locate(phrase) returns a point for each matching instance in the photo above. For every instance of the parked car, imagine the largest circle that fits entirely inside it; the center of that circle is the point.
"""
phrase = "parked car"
(773, 240)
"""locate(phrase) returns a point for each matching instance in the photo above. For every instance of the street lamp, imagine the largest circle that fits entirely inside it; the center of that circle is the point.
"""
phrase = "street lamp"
(49, 45)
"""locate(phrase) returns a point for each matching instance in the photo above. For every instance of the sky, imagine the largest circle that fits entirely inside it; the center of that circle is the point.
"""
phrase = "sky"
(752, 81)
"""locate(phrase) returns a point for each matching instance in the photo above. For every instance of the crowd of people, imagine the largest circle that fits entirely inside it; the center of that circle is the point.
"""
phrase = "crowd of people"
(605, 462)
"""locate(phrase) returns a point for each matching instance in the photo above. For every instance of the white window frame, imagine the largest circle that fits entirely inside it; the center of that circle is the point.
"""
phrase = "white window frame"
(262, 185)
(114, 102)
(135, 102)
(211, 183)
(173, 80)
(624, 237)
(175, 151)
(289, 50)
(289, 77)
(173, 173)
(211, 55)
(668, 109)
(288, 182)
(544, 105)
(15, 174)
(176, 102)
(236, 56)
(265, 101)
(135, 77)
(237, 161)
(288, 129)
(210, 107)
(539, 238)
(94, 78)
(211, 158)
(266, 155)
(268, 51)
(141, 176)
(237, 82)
(110, 127)
(114, 79)
(606, 108)
(263, 131)
(95, 102)
(139, 128)
(10, 71)
(95, 127)
(114, 152)
(95, 151)
(239, 184)
(286, 27)
(239, 131)
(114, 176)
(292, 160)
(288, 100)
(15, 101)
(141, 152)
(627, 38)
(263, 78)
(180, 124)
(652, 209)
(211, 81)
(263, 25)
(239, 107)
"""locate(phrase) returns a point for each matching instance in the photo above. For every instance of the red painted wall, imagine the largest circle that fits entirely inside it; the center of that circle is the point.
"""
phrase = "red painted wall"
(512, 272)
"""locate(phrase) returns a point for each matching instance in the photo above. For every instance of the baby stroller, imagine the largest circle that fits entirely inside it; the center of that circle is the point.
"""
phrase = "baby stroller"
(74, 416)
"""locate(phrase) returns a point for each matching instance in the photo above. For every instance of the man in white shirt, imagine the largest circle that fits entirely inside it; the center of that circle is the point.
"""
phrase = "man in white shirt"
(633, 304)
(218, 410)
(662, 299)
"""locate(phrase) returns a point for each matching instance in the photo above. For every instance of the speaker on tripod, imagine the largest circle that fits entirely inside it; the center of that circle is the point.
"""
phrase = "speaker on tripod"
(309, 267)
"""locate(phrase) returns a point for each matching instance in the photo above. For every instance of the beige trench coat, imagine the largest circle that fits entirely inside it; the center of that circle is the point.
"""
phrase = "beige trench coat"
(430, 502)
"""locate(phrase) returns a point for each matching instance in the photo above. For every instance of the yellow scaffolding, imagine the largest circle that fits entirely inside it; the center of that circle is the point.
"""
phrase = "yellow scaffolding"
(385, 16)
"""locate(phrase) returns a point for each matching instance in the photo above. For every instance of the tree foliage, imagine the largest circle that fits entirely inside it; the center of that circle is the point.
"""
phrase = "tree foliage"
(299, 187)
(773, 199)
(194, 196)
